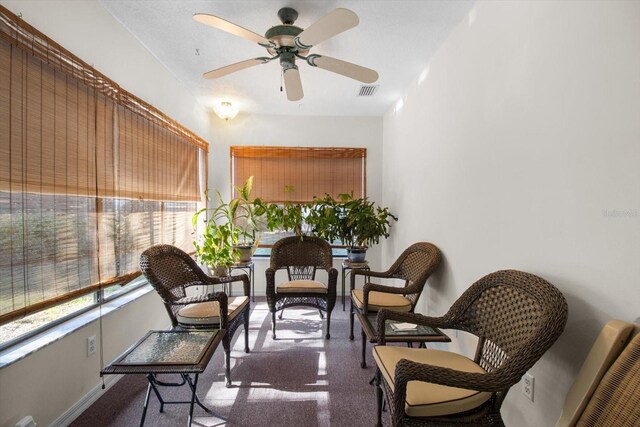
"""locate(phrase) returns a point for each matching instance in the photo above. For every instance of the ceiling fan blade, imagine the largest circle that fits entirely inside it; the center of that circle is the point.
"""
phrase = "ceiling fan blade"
(223, 71)
(293, 84)
(356, 72)
(230, 27)
(330, 25)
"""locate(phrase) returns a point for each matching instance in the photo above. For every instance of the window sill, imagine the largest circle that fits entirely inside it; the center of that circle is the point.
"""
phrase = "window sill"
(30, 346)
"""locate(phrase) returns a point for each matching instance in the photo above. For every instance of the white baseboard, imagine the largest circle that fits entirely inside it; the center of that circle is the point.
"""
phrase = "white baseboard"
(81, 405)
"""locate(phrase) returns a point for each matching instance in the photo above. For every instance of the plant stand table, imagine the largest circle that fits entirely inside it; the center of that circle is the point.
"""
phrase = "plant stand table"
(169, 352)
(421, 334)
(249, 269)
(347, 268)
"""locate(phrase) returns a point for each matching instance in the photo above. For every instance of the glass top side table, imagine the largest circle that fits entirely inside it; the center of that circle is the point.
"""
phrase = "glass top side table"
(162, 352)
(347, 267)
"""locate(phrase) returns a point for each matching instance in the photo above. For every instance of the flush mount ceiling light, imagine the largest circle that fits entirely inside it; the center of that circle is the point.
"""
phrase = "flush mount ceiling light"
(226, 110)
(287, 43)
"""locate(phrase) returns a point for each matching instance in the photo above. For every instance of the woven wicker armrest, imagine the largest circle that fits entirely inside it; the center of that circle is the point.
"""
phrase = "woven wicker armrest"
(369, 273)
(214, 296)
(403, 316)
(407, 370)
(230, 279)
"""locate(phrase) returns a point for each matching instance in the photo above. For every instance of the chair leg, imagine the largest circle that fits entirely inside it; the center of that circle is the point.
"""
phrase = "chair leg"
(226, 343)
(351, 321)
(378, 398)
(246, 331)
(363, 363)
(328, 336)
(281, 313)
(321, 314)
(273, 325)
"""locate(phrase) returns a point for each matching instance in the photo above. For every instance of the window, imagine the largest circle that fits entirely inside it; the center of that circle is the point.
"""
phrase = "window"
(90, 176)
(297, 174)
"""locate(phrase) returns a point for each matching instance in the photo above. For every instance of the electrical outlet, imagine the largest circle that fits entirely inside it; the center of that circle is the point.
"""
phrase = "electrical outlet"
(91, 345)
(528, 381)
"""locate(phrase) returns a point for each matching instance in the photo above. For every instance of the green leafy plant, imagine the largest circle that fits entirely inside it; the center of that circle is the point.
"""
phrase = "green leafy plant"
(215, 248)
(354, 222)
(230, 228)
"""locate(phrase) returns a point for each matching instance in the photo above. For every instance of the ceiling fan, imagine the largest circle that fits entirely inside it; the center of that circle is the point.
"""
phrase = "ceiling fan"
(287, 42)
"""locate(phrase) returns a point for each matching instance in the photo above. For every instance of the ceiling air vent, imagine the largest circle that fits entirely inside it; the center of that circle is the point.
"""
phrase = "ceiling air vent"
(368, 90)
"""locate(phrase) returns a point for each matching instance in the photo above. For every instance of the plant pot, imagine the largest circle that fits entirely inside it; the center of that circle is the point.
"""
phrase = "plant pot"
(220, 271)
(356, 254)
(245, 252)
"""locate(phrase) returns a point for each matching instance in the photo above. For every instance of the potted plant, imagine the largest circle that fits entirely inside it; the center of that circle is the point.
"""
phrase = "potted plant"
(288, 217)
(215, 248)
(357, 223)
(241, 212)
(236, 220)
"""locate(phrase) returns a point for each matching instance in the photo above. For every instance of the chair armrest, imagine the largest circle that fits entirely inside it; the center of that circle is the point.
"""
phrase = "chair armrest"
(237, 278)
(403, 316)
(217, 280)
(367, 273)
(407, 370)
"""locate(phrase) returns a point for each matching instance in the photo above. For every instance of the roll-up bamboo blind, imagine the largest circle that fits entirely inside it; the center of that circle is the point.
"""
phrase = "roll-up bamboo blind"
(90, 176)
(19, 33)
(297, 174)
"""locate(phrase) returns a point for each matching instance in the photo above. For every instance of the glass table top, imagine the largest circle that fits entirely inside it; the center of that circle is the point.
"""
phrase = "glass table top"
(419, 330)
(168, 347)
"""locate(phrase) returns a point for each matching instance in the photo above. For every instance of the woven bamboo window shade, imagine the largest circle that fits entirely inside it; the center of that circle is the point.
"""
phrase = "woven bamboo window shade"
(297, 174)
(90, 175)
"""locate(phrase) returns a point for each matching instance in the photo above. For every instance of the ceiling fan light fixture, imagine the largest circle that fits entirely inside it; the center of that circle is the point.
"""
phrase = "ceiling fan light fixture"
(226, 110)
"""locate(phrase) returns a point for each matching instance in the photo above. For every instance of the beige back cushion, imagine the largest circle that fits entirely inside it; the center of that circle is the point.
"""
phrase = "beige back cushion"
(605, 350)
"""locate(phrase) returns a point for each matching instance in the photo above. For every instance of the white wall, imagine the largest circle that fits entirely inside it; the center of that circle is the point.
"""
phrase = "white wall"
(304, 131)
(522, 137)
(50, 381)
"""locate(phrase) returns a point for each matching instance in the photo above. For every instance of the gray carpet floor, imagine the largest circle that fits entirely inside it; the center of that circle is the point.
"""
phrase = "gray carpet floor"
(300, 379)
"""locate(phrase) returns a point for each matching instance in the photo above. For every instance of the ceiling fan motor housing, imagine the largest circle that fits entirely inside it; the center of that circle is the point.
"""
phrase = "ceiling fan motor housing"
(287, 60)
(284, 36)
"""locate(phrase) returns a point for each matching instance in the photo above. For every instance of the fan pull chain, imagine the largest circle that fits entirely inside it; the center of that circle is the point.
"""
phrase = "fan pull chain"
(281, 77)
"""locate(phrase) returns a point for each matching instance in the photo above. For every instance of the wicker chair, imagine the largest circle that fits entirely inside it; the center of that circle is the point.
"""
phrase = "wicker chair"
(171, 271)
(515, 315)
(301, 258)
(414, 266)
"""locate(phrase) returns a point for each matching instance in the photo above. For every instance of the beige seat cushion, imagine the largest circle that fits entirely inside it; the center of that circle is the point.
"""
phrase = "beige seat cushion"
(379, 300)
(427, 399)
(208, 313)
(302, 287)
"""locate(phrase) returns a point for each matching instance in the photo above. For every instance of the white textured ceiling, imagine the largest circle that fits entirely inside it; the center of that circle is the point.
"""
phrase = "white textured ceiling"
(395, 38)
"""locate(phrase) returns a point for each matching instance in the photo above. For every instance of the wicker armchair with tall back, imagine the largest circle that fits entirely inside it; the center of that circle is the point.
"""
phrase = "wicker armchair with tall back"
(515, 316)
(301, 258)
(414, 266)
(171, 271)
